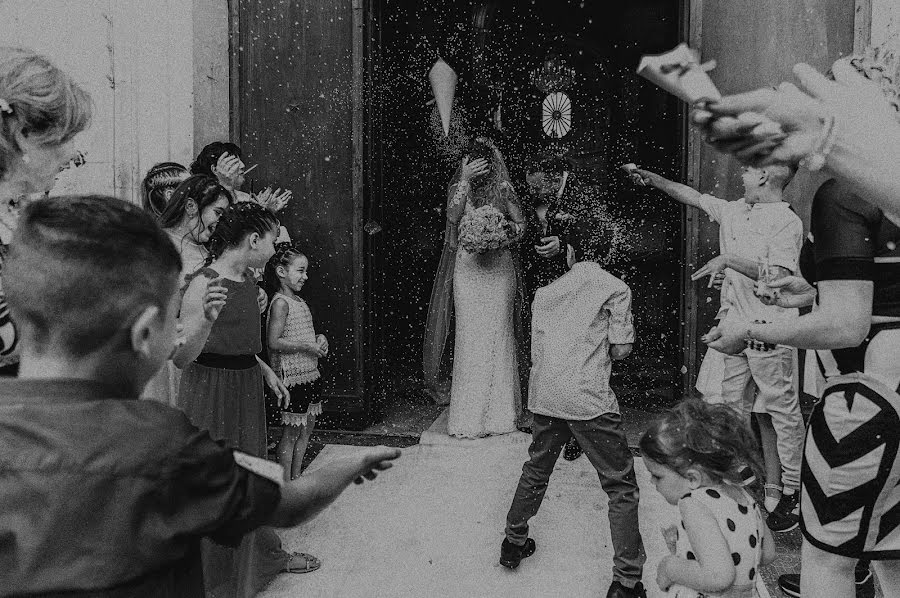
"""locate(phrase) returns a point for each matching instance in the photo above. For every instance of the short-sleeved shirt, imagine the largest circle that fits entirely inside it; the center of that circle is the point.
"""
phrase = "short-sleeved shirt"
(751, 231)
(575, 319)
(102, 496)
(853, 240)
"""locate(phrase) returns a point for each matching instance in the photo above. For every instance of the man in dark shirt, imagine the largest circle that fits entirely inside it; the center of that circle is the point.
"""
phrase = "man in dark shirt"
(545, 261)
(101, 494)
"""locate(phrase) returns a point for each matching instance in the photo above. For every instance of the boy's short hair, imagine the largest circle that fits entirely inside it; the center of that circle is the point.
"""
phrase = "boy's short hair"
(80, 268)
(591, 240)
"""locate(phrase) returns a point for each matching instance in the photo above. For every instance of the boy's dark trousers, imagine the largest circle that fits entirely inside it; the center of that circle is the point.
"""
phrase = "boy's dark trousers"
(605, 445)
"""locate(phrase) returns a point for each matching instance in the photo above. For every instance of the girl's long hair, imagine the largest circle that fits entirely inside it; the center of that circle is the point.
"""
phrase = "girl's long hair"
(237, 223)
(201, 189)
(709, 437)
(162, 176)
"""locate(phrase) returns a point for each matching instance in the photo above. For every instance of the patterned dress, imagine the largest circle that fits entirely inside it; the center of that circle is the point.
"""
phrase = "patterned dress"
(850, 499)
(742, 527)
(300, 370)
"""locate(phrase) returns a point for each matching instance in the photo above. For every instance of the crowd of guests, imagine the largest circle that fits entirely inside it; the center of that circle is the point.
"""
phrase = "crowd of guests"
(105, 495)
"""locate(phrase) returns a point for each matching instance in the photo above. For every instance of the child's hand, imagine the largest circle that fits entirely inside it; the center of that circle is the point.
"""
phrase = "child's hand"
(670, 535)
(214, 299)
(662, 574)
(274, 382)
(619, 352)
(262, 300)
(316, 349)
(323, 342)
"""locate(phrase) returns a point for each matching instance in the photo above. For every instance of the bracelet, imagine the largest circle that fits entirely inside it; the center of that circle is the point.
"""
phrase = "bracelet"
(815, 160)
(757, 345)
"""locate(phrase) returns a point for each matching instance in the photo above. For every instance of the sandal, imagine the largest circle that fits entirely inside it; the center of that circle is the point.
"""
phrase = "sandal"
(310, 563)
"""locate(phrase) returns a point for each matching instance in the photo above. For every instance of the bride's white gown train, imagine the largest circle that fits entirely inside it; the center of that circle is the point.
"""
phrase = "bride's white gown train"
(485, 387)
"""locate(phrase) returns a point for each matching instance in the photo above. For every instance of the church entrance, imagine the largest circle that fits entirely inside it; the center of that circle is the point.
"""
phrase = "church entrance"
(550, 76)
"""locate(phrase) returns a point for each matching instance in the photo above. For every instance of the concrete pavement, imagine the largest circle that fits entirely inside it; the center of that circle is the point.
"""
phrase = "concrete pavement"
(432, 526)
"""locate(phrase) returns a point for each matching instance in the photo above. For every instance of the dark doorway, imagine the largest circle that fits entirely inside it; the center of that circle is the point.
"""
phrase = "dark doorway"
(617, 118)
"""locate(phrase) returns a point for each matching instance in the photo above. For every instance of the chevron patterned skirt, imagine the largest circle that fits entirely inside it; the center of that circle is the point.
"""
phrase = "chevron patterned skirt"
(850, 497)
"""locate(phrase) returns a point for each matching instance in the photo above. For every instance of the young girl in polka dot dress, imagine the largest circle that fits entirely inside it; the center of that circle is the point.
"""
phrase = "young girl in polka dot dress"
(694, 453)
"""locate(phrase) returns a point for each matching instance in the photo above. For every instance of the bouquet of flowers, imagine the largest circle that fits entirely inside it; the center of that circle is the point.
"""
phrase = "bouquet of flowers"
(483, 229)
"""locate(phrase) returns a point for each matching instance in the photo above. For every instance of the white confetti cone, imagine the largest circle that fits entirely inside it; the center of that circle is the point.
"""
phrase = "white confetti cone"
(443, 85)
(680, 73)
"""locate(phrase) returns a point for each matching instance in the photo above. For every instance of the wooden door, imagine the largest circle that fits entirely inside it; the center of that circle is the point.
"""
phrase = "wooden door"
(297, 71)
(755, 44)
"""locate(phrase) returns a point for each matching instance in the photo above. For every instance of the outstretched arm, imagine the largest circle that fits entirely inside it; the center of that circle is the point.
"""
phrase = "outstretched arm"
(306, 497)
(677, 191)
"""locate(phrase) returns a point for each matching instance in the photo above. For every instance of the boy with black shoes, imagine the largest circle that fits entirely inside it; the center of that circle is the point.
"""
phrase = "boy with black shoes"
(570, 397)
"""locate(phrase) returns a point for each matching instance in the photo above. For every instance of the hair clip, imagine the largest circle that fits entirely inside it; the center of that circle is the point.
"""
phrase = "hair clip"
(5, 107)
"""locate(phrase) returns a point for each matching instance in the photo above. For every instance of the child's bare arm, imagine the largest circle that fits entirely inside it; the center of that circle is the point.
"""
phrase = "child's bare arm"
(277, 319)
(197, 317)
(713, 570)
(677, 191)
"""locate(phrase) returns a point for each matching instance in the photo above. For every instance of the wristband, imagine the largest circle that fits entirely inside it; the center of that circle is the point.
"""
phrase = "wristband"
(815, 160)
(757, 345)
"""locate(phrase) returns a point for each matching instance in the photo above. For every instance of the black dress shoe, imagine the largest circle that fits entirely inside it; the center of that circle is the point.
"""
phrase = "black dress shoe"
(572, 450)
(617, 590)
(512, 554)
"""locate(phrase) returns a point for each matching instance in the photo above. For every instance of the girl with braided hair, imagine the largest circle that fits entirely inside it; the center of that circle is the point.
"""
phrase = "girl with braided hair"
(295, 350)
(159, 185)
(694, 454)
(221, 391)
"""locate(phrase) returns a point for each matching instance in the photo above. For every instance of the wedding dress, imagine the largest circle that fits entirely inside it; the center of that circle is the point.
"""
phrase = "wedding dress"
(485, 388)
(483, 294)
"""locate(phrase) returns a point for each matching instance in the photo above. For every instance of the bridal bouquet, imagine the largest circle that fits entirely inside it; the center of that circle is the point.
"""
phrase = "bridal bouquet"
(483, 229)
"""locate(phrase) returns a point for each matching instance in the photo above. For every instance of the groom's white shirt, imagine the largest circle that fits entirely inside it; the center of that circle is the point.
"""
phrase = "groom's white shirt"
(574, 321)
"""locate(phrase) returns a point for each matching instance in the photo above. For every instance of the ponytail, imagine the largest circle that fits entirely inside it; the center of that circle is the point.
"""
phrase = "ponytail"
(236, 223)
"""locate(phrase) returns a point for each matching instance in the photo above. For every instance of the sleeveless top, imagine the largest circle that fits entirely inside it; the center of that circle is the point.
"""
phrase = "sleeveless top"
(299, 367)
(741, 526)
(853, 240)
(237, 330)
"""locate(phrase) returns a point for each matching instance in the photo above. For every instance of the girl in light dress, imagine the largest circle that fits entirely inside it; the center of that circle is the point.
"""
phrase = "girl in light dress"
(295, 350)
(693, 453)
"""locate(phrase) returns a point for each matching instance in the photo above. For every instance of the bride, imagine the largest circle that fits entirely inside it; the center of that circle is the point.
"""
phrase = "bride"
(486, 292)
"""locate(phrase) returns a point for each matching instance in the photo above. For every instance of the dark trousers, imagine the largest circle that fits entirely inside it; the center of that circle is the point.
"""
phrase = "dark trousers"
(606, 447)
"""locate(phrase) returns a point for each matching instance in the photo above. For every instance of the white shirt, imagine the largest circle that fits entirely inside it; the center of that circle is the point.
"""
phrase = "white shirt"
(748, 230)
(574, 321)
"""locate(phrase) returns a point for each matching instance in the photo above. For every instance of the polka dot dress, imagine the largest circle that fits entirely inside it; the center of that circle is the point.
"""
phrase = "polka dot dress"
(742, 527)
